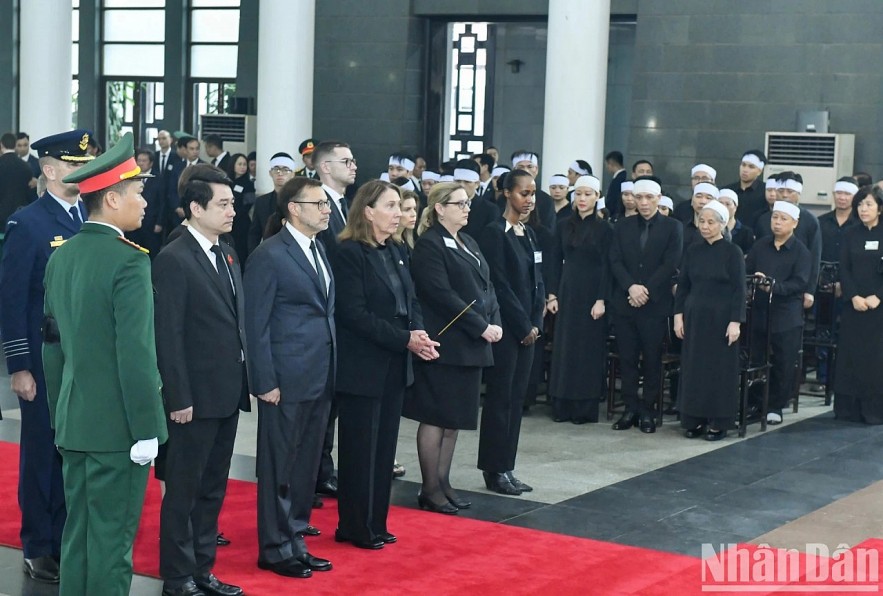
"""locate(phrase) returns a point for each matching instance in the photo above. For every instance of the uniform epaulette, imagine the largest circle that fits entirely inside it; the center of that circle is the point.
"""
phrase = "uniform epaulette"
(125, 240)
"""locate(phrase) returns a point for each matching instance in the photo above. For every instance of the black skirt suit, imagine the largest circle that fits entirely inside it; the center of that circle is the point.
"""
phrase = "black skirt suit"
(448, 277)
(515, 264)
(373, 370)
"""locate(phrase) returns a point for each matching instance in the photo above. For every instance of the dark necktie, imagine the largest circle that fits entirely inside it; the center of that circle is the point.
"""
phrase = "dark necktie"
(343, 209)
(214, 161)
(75, 214)
(645, 231)
(318, 264)
(223, 273)
(162, 162)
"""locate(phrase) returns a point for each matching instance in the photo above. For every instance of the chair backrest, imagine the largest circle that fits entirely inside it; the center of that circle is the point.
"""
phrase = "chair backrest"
(754, 344)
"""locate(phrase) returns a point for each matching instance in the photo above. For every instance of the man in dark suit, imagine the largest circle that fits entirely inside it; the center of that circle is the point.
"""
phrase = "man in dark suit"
(15, 179)
(482, 210)
(23, 150)
(613, 161)
(644, 256)
(214, 148)
(32, 236)
(199, 303)
(281, 171)
(166, 152)
(149, 235)
(485, 169)
(289, 322)
(188, 155)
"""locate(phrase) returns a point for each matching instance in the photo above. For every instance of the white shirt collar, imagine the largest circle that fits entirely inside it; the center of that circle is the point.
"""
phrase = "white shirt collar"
(220, 157)
(509, 226)
(64, 204)
(111, 226)
(205, 244)
(302, 240)
(331, 192)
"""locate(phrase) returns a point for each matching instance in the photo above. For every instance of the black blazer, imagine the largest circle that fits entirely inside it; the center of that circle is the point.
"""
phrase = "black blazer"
(15, 175)
(481, 213)
(264, 207)
(446, 280)
(200, 340)
(517, 277)
(368, 336)
(328, 236)
(613, 200)
(226, 164)
(289, 321)
(652, 267)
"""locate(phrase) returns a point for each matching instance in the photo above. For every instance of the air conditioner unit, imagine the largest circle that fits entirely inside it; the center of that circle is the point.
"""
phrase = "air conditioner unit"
(238, 131)
(821, 159)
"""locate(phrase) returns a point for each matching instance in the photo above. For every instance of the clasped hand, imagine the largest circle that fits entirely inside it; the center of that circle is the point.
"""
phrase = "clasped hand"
(492, 334)
(422, 345)
(638, 295)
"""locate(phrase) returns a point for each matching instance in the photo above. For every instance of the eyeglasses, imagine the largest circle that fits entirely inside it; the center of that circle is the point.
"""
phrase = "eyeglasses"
(349, 162)
(463, 205)
(280, 170)
(323, 205)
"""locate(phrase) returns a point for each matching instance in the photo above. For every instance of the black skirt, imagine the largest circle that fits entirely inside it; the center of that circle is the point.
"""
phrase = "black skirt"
(443, 395)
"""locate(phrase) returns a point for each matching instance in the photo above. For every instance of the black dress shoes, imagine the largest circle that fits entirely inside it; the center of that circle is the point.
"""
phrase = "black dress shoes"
(387, 538)
(312, 531)
(628, 420)
(287, 568)
(314, 563)
(459, 502)
(375, 544)
(518, 484)
(715, 435)
(499, 483)
(692, 433)
(328, 488)
(186, 589)
(222, 541)
(647, 424)
(212, 586)
(426, 503)
(42, 569)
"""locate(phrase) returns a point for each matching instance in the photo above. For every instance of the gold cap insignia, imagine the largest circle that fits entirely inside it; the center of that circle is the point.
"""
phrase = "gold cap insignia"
(84, 142)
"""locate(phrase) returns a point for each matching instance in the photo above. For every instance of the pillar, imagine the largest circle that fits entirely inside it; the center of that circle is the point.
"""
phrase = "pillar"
(285, 80)
(45, 67)
(576, 85)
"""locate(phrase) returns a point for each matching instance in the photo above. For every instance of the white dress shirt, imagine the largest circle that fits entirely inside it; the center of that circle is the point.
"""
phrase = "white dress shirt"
(304, 243)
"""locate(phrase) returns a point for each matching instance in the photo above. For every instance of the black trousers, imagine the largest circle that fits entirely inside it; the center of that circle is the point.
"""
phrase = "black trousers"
(326, 462)
(197, 467)
(637, 337)
(503, 401)
(784, 349)
(290, 439)
(368, 430)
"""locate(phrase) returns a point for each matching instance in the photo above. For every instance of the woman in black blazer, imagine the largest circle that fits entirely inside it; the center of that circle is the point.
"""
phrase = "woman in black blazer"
(515, 261)
(453, 283)
(378, 326)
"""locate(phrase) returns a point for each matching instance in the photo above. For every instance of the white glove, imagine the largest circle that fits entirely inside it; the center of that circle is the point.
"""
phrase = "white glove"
(143, 452)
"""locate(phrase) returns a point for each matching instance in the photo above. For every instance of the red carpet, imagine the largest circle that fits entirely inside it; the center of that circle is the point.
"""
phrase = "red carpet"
(435, 553)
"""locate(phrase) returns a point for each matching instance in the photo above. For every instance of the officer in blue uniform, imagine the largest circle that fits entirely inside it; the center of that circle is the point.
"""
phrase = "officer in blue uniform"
(32, 234)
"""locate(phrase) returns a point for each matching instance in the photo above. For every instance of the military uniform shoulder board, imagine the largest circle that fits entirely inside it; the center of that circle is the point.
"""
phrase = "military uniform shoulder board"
(56, 242)
(125, 240)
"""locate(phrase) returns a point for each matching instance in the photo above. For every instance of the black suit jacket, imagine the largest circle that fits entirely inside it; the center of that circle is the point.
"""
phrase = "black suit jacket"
(613, 200)
(289, 321)
(481, 213)
(545, 207)
(652, 267)
(200, 340)
(368, 336)
(517, 277)
(157, 169)
(226, 164)
(264, 206)
(15, 175)
(447, 280)
(336, 224)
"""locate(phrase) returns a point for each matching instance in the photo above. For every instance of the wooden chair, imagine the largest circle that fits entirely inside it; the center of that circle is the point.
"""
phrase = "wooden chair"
(754, 351)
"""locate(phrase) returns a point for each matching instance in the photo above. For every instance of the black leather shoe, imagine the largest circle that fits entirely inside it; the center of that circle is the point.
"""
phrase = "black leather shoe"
(518, 484)
(287, 568)
(328, 488)
(715, 435)
(312, 531)
(186, 589)
(387, 538)
(314, 563)
(459, 502)
(222, 541)
(375, 544)
(426, 503)
(692, 433)
(212, 586)
(499, 483)
(42, 569)
(647, 424)
(628, 420)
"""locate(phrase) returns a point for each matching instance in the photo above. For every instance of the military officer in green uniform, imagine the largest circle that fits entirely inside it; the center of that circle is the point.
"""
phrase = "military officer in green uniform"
(103, 385)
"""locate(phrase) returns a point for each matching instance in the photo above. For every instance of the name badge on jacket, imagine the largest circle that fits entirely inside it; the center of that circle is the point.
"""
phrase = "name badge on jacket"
(451, 243)
(872, 244)
(537, 257)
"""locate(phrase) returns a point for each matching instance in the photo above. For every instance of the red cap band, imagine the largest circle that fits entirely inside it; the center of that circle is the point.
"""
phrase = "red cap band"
(124, 171)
